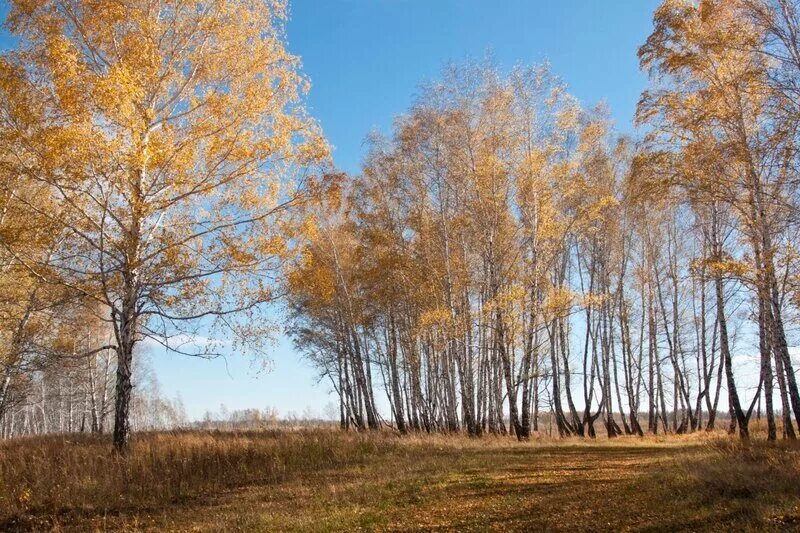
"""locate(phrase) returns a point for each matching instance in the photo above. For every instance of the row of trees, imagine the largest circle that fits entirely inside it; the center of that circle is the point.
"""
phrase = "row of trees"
(505, 251)
(78, 397)
(152, 154)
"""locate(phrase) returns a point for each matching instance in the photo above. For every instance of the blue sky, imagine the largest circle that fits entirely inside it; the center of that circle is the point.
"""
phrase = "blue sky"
(366, 59)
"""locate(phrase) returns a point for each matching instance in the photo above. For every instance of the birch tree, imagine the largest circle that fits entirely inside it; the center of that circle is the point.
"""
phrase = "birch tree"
(173, 140)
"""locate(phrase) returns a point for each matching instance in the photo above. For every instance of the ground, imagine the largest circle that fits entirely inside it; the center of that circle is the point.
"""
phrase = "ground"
(419, 483)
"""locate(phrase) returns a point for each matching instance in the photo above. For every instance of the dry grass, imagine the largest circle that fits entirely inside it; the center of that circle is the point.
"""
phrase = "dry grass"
(324, 480)
(55, 478)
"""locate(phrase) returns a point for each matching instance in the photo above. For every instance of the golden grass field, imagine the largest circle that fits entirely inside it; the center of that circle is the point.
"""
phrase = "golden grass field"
(325, 480)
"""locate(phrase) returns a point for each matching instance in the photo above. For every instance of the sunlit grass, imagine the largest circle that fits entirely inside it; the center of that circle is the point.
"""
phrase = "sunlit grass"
(323, 480)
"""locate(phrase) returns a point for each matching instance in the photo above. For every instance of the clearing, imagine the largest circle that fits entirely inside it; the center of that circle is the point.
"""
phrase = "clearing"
(383, 482)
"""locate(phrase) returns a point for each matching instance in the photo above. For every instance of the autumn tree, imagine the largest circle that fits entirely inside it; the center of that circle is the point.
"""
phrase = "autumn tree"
(172, 140)
(721, 134)
(455, 259)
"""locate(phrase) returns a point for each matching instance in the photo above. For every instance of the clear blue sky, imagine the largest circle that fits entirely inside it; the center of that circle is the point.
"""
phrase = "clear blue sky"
(365, 59)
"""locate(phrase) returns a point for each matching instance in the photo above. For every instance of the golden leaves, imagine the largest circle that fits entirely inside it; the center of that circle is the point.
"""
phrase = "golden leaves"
(558, 302)
(568, 117)
(722, 267)
(117, 93)
(314, 280)
(165, 145)
(66, 70)
(511, 300)
(437, 317)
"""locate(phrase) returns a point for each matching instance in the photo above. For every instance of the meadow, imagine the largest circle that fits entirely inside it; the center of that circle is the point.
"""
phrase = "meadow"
(324, 480)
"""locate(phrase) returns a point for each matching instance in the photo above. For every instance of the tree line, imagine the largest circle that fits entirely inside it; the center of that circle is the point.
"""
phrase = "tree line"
(505, 256)
(506, 252)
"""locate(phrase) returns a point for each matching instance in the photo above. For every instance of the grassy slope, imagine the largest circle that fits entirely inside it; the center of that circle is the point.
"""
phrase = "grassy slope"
(329, 481)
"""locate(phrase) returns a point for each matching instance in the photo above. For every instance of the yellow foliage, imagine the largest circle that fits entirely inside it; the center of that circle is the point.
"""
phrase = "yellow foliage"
(559, 301)
(438, 317)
